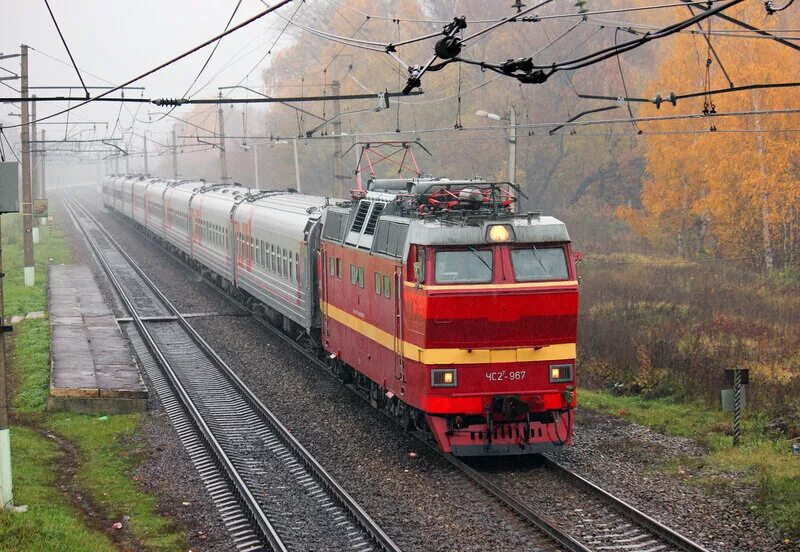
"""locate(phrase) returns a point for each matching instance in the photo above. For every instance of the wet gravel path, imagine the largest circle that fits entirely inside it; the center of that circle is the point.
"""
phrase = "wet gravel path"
(417, 498)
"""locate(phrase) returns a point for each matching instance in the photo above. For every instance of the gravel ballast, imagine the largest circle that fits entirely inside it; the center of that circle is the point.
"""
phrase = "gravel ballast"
(418, 498)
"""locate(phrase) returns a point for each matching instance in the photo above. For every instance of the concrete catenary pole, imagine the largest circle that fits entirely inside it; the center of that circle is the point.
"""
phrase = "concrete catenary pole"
(512, 152)
(43, 171)
(255, 164)
(29, 270)
(174, 155)
(223, 161)
(34, 171)
(144, 142)
(339, 176)
(43, 174)
(296, 167)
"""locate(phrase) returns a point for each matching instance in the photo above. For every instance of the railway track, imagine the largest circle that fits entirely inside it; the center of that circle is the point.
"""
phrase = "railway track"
(269, 490)
(604, 523)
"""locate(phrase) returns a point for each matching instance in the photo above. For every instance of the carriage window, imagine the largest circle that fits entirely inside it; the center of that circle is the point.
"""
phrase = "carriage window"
(291, 267)
(463, 267)
(387, 287)
(297, 266)
(539, 263)
(377, 283)
(285, 271)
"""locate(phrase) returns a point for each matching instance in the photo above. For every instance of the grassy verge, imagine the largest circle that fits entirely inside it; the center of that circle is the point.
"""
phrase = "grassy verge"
(51, 523)
(106, 447)
(761, 460)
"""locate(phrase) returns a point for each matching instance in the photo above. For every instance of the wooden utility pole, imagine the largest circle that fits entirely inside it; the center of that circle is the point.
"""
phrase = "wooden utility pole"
(223, 161)
(339, 176)
(144, 138)
(174, 155)
(29, 270)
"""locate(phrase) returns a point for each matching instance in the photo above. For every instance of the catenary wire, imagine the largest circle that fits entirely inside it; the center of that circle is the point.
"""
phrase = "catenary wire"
(165, 64)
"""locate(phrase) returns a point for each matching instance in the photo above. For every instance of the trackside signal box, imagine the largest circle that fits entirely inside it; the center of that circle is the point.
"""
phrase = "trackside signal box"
(9, 187)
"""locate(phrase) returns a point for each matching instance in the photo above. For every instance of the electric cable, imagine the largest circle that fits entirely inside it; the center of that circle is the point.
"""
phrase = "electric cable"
(256, 17)
(63, 40)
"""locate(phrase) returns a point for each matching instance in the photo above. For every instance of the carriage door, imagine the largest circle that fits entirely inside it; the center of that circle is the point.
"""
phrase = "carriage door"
(399, 358)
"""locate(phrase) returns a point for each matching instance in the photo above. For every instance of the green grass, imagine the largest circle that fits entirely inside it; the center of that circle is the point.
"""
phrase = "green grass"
(20, 300)
(50, 523)
(109, 454)
(31, 361)
(107, 450)
(762, 461)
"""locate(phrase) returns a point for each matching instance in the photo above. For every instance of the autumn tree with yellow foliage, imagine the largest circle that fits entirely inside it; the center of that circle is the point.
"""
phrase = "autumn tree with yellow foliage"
(730, 189)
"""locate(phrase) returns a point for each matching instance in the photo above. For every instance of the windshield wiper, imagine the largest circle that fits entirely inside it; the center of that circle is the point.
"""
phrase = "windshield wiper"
(536, 256)
(475, 252)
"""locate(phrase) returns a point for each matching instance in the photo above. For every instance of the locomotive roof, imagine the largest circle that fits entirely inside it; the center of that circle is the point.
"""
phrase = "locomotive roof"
(536, 229)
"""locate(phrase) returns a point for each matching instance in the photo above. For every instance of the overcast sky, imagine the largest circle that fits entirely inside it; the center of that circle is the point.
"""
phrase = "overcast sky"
(115, 41)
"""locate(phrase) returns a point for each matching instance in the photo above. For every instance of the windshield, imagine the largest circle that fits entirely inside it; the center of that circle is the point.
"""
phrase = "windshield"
(463, 267)
(534, 264)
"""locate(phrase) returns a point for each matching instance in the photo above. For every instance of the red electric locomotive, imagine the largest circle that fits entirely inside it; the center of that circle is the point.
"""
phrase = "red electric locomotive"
(458, 315)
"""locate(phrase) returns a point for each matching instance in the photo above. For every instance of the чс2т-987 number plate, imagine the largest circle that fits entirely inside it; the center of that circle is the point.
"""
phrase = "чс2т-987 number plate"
(505, 375)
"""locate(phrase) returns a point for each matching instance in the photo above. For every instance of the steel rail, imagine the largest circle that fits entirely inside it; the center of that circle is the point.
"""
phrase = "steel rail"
(633, 514)
(268, 531)
(339, 493)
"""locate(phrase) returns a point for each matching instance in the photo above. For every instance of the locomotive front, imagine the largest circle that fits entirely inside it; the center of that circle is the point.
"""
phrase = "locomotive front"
(491, 309)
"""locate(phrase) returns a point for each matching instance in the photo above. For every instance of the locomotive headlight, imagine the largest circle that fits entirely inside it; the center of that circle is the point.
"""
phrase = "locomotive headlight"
(560, 373)
(498, 233)
(444, 377)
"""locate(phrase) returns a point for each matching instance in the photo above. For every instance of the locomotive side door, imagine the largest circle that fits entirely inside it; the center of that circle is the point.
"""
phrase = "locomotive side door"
(324, 273)
(399, 358)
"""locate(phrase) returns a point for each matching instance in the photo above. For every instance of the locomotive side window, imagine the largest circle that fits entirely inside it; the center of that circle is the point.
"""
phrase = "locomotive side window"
(332, 266)
(533, 264)
(361, 277)
(463, 267)
(353, 274)
(338, 268)
(387, 287)
(378, 281)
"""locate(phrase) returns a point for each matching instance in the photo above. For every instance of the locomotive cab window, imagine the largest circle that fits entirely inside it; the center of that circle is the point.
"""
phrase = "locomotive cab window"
(532, 264)
(472, 266)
